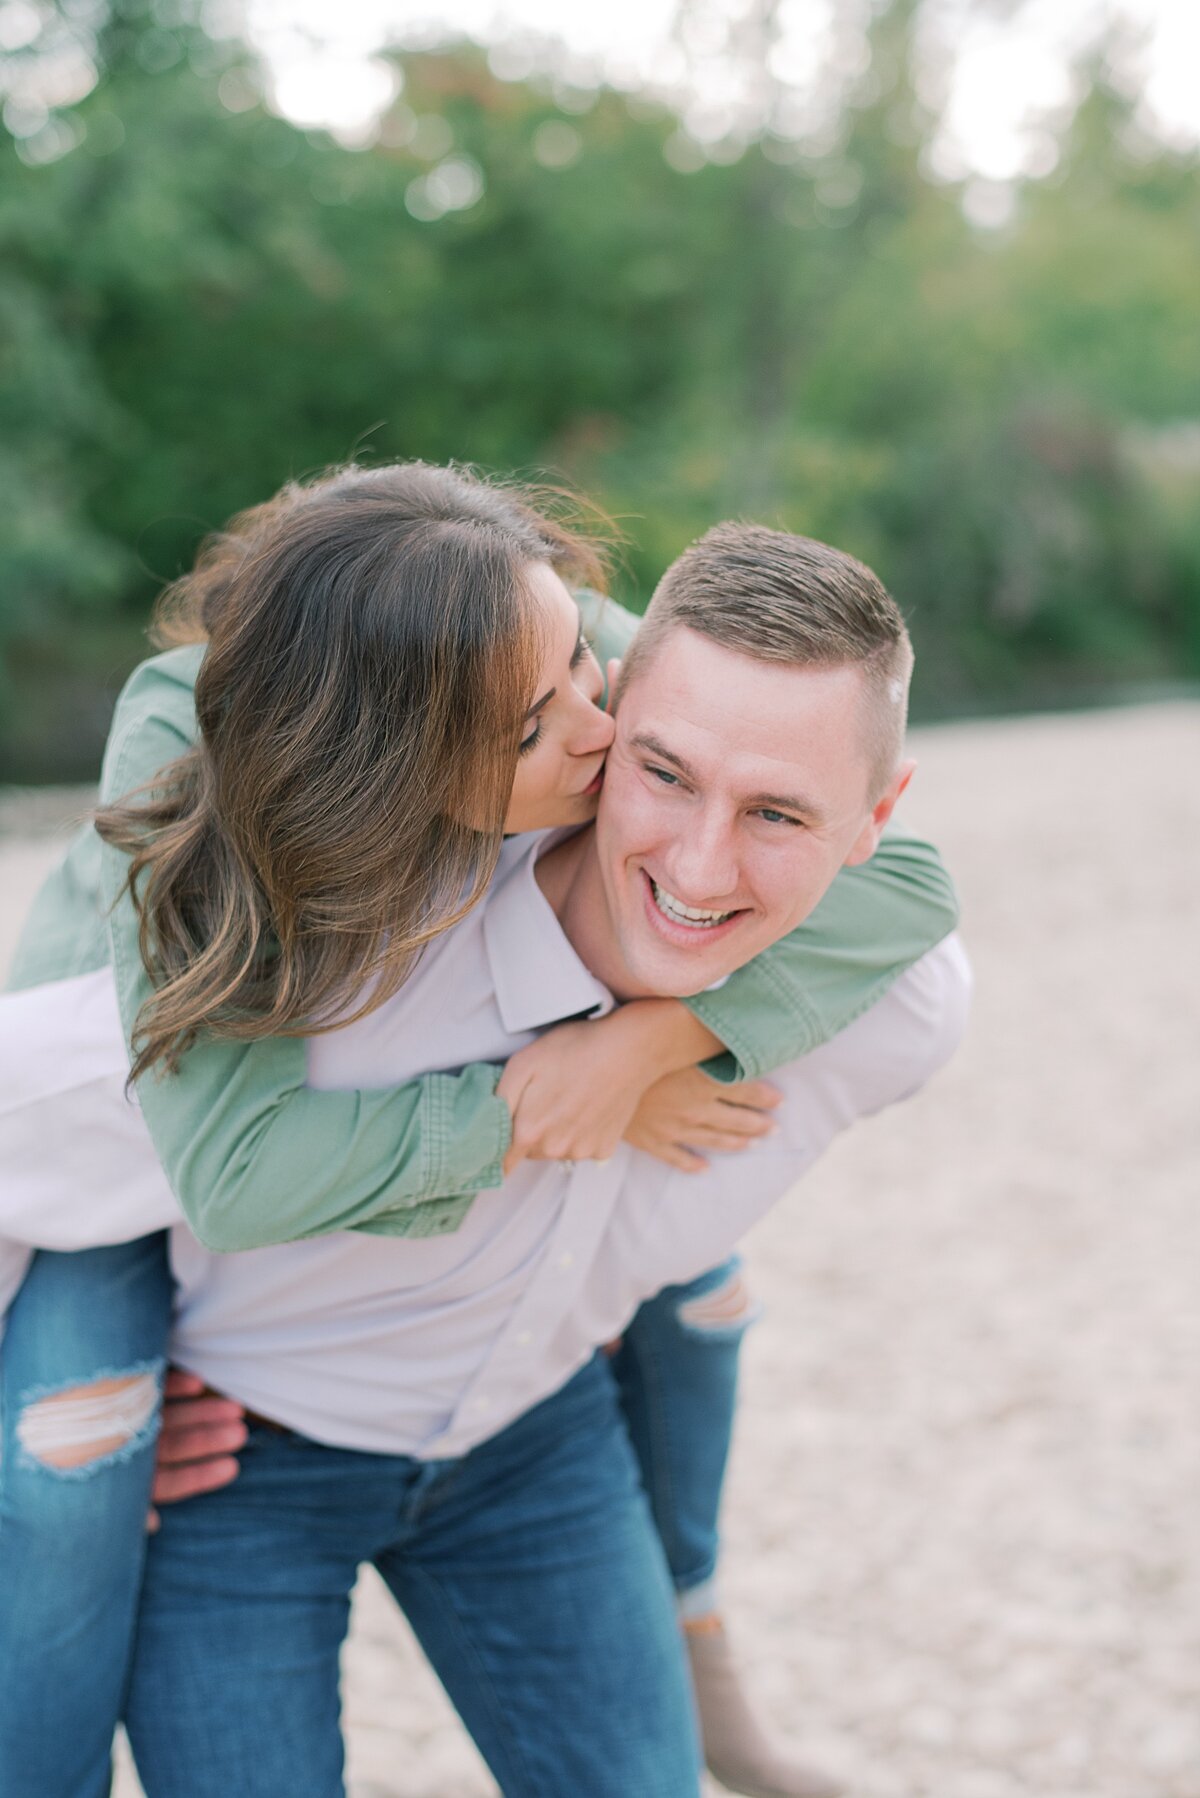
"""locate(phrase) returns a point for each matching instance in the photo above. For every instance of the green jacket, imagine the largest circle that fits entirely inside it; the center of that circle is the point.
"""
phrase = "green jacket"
(255, 1157)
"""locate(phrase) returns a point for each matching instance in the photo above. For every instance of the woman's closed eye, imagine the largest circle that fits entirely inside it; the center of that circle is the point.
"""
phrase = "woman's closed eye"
(579, 655)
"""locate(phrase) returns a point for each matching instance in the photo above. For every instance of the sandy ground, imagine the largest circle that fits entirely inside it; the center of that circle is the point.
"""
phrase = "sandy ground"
(962, 1553)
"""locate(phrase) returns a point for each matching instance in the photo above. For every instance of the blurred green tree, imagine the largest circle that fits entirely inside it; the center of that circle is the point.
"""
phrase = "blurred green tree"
(199, 301)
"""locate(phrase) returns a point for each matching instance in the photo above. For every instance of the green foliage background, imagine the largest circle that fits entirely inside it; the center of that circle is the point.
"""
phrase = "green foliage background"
(198, 300)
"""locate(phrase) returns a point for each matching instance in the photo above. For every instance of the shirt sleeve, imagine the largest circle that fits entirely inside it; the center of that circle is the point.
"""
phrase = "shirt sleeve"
(252, 1154)
(875, 921)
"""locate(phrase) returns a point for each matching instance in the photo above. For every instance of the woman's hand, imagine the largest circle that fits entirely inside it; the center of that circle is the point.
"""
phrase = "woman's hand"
(573, 1092)
(686, 1112)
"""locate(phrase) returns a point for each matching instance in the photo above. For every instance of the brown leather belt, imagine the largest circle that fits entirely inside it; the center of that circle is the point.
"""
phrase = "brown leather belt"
(265, 1423)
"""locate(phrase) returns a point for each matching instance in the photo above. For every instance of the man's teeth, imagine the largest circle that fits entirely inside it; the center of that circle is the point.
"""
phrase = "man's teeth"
(692, 915)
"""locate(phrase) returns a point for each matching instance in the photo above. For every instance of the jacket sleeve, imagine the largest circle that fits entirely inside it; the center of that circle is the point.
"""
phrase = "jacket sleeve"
(253, 1155)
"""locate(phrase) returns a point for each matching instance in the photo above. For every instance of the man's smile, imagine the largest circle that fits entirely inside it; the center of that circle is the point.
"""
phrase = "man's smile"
(686, 925)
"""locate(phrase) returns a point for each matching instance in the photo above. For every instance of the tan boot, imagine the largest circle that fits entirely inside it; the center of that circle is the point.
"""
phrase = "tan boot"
(739, 1748)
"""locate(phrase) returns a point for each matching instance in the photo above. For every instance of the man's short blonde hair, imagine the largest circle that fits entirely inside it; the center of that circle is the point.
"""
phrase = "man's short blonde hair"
(786, 599)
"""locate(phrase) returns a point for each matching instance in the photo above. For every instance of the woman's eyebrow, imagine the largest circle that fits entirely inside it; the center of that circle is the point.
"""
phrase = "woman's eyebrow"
(540, 704)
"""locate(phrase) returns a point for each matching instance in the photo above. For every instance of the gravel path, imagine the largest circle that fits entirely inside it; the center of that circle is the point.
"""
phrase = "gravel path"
(962, 1551)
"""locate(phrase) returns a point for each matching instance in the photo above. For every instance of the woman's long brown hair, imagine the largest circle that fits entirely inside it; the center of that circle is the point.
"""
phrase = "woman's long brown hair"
(371, 655)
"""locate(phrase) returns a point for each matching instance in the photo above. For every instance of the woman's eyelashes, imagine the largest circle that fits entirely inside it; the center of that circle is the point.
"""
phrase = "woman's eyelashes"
(581, 652)
(532, 740)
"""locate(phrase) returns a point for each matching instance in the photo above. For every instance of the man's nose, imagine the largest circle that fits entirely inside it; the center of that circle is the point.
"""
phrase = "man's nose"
(702, 866)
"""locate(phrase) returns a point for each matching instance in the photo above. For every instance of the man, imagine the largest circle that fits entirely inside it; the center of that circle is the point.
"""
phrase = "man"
(442, 1410)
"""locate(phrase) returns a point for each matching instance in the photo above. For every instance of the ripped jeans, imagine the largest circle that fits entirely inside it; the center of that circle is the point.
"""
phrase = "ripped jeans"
(81, 1368)
(75, 1471)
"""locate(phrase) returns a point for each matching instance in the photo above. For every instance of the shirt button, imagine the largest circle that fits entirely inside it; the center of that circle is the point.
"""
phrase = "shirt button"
(482, 1401)
(566, 1260)
(524, 1338)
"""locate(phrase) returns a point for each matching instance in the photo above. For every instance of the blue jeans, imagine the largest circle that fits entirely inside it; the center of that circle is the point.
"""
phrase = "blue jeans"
(677, 1369)
(529, 1570)
(71, 1546)
(72, 1540)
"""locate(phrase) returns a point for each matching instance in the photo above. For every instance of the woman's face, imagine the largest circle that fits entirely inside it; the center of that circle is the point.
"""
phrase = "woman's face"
(566, 734)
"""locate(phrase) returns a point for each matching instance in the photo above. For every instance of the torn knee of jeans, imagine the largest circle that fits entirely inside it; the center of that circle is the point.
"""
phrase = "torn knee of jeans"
(82, 1428)
(724, 1310)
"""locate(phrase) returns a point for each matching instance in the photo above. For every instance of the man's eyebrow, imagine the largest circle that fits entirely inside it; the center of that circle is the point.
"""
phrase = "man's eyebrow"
(651, 744)
(775, 802)
(788, 802)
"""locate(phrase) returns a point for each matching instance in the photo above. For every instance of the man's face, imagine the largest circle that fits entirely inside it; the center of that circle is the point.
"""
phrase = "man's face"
(734, 791)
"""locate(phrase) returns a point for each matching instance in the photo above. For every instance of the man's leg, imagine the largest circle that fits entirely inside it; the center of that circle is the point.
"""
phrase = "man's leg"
(80, 1375)
(535, 1582)
(677, 1369)
(245, 1605)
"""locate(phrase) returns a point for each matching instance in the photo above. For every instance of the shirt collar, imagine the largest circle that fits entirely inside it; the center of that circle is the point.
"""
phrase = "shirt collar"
(538, 977)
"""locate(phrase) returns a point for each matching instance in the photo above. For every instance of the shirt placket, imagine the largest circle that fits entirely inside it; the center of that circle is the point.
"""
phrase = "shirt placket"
(507, 1383)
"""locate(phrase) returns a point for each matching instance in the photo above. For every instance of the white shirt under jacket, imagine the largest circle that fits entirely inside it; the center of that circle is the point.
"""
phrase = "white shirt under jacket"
(425, 1346)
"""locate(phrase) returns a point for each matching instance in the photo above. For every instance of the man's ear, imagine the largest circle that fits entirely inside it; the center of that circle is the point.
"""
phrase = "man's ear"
(867, 842)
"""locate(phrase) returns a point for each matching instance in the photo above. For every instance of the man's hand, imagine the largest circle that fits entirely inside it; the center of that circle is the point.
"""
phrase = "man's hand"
(196, 1447)
(687, 1111)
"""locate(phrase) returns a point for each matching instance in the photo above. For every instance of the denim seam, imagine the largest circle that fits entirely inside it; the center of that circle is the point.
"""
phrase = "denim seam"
(481, 1674)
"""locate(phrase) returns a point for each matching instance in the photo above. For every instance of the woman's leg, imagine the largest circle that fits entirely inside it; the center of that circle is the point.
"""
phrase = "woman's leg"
(81, 1369)
(677, 1369)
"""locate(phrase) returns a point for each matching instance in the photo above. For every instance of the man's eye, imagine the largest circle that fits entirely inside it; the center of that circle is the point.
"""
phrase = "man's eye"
(774, 817)
(664, 774)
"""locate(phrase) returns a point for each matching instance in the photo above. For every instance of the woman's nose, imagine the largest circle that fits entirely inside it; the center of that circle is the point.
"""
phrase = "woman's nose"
(595, 730)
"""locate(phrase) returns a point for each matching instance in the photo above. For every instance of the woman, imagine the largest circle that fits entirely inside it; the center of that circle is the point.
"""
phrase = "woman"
(366, 733)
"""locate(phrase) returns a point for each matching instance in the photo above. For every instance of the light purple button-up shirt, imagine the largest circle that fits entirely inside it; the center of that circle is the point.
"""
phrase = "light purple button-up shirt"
(427, 1346)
